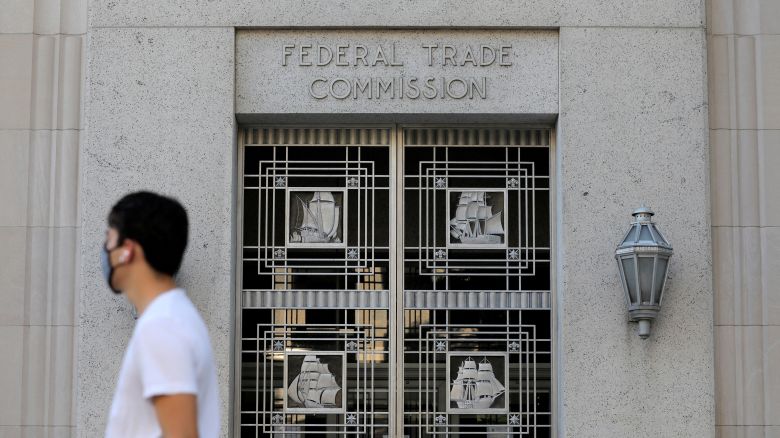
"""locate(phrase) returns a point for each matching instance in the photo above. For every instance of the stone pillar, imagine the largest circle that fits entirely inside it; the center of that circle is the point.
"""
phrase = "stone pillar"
(41, 47)
(744, 60)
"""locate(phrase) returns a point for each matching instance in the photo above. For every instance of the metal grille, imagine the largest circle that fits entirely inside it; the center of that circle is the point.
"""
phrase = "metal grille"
(514, 348)
(477, 348)
(316, 249)
(326, 297)
(316, 230)
(292, 352)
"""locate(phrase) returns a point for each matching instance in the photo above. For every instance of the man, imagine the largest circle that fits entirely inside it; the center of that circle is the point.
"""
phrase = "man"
(167, 384)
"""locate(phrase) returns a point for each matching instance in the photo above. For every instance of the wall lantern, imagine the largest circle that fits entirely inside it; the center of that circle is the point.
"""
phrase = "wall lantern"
(643, 260)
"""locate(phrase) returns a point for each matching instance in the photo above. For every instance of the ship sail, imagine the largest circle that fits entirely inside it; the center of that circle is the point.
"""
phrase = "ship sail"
(309, 221)
(493, 225)
(457, 391)
(292, 390)
(469, 369)
(475, 388)
(465, 198)
(460, 213)
(324, 205)
(472, 210)
(315, 386)
(329, 397)
(484, 212)
(334, 226)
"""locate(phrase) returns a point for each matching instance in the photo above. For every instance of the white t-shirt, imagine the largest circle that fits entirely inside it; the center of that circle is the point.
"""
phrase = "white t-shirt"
(169, 353)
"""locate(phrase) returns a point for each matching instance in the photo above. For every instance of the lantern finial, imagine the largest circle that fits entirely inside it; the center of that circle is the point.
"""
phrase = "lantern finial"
(643, 213)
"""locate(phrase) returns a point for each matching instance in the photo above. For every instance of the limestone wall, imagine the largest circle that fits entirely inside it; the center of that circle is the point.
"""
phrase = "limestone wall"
(159, 113)
(632, 128)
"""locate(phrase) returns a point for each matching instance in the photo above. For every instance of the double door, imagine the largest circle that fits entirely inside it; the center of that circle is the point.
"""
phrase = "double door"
(394, 281)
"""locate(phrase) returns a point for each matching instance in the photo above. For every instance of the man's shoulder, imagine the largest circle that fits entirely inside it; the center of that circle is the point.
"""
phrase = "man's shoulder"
(168, 305)
(174, 313)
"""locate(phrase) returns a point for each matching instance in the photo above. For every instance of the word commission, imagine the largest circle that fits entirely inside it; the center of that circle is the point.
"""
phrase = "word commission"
(399, 86)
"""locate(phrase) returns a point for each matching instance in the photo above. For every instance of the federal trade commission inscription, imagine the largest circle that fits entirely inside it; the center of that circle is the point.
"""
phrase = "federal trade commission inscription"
(403, 71)
(397, 86)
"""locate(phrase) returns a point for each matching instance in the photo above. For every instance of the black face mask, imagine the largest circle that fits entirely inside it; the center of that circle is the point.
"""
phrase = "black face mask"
(108, 269)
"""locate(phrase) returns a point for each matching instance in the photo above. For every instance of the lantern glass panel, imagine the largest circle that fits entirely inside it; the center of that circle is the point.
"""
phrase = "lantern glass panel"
(630, 272)
(645, 234)
(660, 274)
(646, 278)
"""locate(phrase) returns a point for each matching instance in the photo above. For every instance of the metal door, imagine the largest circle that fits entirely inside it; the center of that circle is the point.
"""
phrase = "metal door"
(377, 261)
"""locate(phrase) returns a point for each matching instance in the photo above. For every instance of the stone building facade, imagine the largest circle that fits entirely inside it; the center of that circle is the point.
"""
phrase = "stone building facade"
(674, 104)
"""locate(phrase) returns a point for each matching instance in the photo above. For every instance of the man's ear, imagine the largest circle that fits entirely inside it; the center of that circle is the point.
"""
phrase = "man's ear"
(127, 251)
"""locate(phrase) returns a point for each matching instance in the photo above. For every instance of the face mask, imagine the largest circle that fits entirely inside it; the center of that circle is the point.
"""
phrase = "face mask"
(108, 270)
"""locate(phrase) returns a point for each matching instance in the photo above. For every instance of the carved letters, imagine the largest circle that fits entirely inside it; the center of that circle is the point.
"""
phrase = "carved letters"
(401, 85)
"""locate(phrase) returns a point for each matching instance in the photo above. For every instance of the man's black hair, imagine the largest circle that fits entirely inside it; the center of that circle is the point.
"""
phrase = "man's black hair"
(158, 223)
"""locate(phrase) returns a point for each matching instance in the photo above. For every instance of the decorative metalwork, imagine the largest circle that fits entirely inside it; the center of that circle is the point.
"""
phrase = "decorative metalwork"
(493, 218)
(317, 248)
(316, 217)
(476, 219)
(496, 363)
(315, 227)
(478, 386)
(314, 383)
(324, 371)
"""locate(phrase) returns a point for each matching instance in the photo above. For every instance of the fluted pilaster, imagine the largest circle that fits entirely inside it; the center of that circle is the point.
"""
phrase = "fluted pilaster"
(41, 77)
(744, 58)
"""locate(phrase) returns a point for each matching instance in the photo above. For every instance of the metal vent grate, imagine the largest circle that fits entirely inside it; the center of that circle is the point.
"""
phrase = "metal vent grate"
(476, 137)
(317, 136)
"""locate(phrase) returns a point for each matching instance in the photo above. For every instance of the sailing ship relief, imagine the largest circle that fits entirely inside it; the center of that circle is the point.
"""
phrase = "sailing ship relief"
(474, 222)
(476, 387)
(314, 387)
(315, 217)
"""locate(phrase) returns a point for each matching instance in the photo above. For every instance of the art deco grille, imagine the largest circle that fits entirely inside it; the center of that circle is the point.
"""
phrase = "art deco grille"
(315, 290)
(332, 284)
(477, 343)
